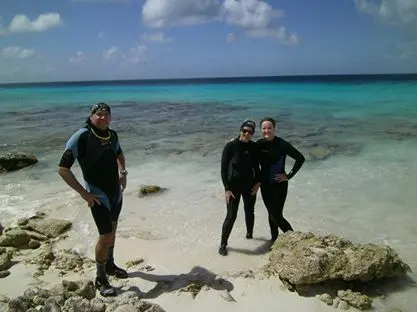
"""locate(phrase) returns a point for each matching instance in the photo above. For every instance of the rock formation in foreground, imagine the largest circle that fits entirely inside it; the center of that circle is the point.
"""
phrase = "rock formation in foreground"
(77, 296)
(16, 161)
(301, 259)
(35, 233)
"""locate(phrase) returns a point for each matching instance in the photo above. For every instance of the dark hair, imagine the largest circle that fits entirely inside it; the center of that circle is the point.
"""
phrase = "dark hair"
(271, 120)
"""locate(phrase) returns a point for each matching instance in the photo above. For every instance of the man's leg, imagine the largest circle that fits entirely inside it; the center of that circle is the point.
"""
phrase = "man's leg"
(102, 218)
(111, 268)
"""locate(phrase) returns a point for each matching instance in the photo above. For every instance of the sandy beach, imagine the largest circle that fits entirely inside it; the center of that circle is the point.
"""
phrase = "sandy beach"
(176, 248)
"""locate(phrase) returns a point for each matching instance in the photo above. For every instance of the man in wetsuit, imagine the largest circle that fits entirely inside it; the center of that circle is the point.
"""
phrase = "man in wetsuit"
(240, 177)
(97, 149)
(273, 151)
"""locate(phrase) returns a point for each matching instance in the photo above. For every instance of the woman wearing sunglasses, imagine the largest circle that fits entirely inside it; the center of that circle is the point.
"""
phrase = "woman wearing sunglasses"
(240, 176)
(273, 151)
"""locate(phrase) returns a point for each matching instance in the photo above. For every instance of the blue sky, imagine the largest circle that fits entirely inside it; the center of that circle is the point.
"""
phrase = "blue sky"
(48, 40)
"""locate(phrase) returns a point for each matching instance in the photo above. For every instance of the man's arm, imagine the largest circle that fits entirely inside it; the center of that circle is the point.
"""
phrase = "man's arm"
(121, 164)
(64, 169)
(67, 175)
(121, 161)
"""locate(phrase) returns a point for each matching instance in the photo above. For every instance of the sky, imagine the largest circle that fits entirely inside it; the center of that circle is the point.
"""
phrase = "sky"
(61, 40)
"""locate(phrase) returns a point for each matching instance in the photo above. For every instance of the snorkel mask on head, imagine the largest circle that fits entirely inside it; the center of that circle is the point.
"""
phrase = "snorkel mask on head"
(100, 107)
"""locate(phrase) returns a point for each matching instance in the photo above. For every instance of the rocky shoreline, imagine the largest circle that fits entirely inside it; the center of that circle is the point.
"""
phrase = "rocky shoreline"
(332, 269)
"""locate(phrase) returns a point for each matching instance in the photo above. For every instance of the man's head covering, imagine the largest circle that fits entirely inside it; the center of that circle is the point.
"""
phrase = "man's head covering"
(249, 123)
(102, 107)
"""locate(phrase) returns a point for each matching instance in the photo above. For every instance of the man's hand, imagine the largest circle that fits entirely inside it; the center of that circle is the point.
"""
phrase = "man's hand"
(123, 181)
(91, 199)
(228, 195)
(255, 189)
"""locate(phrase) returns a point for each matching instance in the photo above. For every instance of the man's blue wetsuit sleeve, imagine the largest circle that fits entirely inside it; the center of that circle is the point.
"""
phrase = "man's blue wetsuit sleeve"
(71, 150)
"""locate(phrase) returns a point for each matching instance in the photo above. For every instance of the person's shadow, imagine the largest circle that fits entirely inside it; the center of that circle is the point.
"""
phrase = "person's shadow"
(192, 282)
(260, 250)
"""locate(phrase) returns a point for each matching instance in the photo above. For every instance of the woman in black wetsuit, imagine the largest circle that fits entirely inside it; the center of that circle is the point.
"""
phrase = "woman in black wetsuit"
(274, 180)
(240, 177)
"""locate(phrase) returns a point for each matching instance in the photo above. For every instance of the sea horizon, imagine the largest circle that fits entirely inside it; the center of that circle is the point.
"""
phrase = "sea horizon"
(302, 78)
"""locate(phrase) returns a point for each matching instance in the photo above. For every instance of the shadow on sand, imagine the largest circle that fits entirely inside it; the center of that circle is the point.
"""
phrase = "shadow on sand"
(191, 282)
(260, 250)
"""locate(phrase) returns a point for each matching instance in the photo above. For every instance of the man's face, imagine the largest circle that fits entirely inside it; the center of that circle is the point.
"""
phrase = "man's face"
(101, 119)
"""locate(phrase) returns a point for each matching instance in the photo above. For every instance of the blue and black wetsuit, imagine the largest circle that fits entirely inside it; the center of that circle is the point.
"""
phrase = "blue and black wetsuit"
(272, 156)
(239, 172)
(98, 161)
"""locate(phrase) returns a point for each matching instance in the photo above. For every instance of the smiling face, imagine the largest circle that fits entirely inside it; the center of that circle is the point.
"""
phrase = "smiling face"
(268, 130)
(246, 134)
(101, 119)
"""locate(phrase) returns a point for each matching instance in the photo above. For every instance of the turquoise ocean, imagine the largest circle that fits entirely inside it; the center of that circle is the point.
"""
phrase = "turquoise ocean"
(358, 133)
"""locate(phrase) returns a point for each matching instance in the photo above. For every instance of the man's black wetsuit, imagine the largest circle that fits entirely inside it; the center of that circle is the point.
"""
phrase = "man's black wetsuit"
(98, 161)
(239, 172)
(272, 156)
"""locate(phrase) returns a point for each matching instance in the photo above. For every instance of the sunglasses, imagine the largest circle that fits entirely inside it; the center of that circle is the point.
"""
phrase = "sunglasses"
(244, 131)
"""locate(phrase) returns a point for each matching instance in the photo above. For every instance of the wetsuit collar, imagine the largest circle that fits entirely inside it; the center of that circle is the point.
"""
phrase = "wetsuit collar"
(98, 131)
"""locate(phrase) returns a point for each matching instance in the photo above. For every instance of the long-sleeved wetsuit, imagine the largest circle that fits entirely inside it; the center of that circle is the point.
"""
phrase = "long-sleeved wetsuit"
(239, 172)
(272, 156)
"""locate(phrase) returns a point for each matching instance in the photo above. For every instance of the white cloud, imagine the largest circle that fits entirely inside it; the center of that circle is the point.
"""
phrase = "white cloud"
(396, 12)
(231, 37)
(163, 13)
(156, 37)
(280, 33)
(18, 52)
(79, 57)
(244, 13)
(108, 54)
(21, 23)
(255, 16)
(250, 13)
(135, 55)
(132, 56)
(100, 35)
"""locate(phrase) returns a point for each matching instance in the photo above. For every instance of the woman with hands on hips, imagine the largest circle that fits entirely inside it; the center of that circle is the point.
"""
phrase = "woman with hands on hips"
(274, 180)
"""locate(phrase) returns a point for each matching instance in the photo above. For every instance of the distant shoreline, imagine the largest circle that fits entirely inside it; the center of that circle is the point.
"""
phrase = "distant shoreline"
(333, 78)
